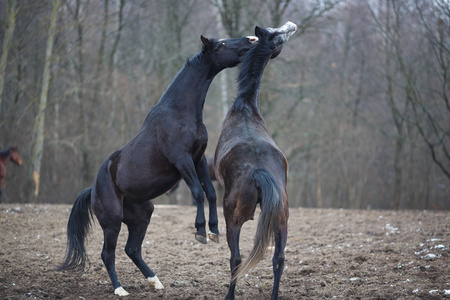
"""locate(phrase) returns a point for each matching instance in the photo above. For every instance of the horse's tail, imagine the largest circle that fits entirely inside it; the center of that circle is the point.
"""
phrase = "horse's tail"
(77, 230)
(271, 204)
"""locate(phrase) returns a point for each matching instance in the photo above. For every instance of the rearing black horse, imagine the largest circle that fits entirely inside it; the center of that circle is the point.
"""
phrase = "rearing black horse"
(169, 146)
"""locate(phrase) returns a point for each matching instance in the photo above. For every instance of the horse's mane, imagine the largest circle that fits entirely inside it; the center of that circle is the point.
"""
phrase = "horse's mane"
(5, 153)
(249, 77)
(196, 59)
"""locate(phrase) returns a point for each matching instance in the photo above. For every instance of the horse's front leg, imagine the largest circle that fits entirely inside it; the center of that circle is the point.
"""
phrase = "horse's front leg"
(186, 167)
(205, 179)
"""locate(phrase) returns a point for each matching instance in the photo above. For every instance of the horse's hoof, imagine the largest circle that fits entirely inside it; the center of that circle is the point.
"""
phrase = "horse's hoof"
(121, 291)
(213, 237)
(155, 283)
(201, 238)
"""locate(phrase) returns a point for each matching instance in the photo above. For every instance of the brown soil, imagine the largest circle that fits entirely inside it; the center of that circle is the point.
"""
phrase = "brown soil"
(335, 254)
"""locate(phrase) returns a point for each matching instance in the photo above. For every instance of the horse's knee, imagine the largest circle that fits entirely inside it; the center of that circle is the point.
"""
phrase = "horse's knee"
(133, 253)
(210, 192)
(211, 196)
(108, 255)
(235, 261)
(198, 195)
(278, 261)
(106, 258)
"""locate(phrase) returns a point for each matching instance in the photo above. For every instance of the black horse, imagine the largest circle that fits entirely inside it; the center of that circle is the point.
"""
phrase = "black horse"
(169, 146)
(251, 167)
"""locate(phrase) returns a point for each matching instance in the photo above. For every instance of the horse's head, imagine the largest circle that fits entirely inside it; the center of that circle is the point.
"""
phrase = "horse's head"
(227, 53)
(275, 37)
(15, 157)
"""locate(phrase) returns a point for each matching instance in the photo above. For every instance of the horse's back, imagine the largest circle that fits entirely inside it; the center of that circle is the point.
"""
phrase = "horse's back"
(249, 151)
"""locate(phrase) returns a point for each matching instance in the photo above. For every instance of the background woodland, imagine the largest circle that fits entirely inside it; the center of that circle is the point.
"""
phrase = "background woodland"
(358, 100)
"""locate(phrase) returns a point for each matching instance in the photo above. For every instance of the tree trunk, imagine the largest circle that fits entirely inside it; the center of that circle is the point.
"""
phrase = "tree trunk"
(9, 30)
(101, 52)
(111, 80)
(77, 65)
(223, 82)
(40, 118)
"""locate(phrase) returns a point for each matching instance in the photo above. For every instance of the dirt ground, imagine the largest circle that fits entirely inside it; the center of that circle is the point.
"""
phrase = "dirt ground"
(330, 254)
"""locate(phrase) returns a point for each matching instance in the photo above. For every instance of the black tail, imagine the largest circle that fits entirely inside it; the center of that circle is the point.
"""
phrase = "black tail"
(77, 229)
(271, 204)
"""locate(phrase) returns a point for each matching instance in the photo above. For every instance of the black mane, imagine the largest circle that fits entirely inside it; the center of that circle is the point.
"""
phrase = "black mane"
(5, 153)
(196, 59)
(252, 68)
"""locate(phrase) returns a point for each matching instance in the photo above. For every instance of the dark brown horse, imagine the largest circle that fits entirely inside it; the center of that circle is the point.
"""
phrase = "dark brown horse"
(250, 166)
(169, 146)
(6, 155)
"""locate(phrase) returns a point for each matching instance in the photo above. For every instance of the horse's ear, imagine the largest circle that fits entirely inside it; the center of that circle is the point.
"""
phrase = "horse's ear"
(205, 41)
(258, 31)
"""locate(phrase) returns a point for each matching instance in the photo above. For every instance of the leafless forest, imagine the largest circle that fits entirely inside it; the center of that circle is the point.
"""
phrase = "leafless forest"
(358, 100)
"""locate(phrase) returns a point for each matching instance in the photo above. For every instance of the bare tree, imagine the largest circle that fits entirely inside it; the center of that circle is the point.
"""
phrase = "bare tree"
(432, 108)
(9, 26)
(110, 83)
(398, 108)
(358, 102)
(78, 66)
(40, 118)
(101, 55)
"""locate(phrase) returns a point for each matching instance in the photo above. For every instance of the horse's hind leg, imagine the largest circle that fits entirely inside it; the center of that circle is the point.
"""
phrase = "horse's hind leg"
(233, 233)
(137, 217)
(205, 179)
(278, 259)
(111, 231)
(109, 211)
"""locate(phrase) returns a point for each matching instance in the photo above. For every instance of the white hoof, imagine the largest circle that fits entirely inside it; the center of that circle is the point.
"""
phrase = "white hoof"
(121, 291)
(155, 283)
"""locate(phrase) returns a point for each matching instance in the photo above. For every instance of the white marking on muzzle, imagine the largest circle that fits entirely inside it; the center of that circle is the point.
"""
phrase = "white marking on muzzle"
(289, 24)
(252, 38)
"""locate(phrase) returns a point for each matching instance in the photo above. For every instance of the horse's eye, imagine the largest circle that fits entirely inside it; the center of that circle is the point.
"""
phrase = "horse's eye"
(223, 43)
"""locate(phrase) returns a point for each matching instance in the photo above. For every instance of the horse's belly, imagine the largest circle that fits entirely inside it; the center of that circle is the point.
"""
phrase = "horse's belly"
(144, 182)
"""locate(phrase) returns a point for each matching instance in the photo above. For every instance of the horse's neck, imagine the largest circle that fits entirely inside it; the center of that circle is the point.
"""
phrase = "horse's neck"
(188, 89)
(5, 156)
(5, 160)
(249, 83)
